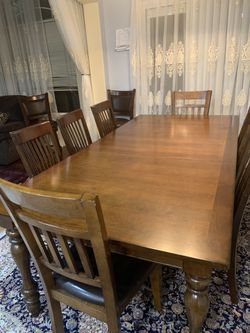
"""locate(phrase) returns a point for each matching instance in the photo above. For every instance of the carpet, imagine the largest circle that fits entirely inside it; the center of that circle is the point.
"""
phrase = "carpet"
(14, 172)
(140, 315)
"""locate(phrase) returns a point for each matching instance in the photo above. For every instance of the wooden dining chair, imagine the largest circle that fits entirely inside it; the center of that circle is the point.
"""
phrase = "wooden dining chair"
(243, 137)
(242, 155)
(122, 105)
(37, 147)
(104, 118)
(66, 236)
(36, 109)
(74, 131)
(191, 102)
(242, 193)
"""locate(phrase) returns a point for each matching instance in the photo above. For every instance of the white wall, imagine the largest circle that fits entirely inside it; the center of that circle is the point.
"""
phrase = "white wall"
(95, 49)
(115, 14)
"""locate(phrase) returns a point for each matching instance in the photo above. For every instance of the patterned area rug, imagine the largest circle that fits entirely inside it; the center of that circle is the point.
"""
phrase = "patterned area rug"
(14, 172)
(140, 315)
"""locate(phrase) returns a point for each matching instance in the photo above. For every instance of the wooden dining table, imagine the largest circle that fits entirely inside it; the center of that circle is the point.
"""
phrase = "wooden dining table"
(166, 187)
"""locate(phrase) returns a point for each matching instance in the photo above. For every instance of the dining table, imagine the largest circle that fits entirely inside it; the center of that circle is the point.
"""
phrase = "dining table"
(166, 187)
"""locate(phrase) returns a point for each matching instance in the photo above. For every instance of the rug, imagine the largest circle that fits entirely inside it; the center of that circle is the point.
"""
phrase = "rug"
(140, 315)
(14, 172)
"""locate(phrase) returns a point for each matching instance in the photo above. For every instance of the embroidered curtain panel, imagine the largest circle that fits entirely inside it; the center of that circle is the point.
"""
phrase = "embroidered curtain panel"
(69, 16)
(24, 59)
(191, 45)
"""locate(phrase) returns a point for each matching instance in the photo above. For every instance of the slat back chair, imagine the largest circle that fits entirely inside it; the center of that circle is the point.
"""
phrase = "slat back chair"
(35, 108)
(242, 140)
(104, 118)
(242, 193)
(191, 102)
(37, 147)
(243, 154)
(58, 230)
(122, 104)
(74, 131)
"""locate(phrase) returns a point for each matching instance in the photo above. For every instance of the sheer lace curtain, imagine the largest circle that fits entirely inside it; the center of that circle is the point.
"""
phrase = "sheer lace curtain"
(69, 17)
(191, 45)
(24, 60)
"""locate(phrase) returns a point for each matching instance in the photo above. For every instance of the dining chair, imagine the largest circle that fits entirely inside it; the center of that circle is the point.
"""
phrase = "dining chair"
(242, 193)
(191, 102)
(242, 139)
(36, 109)
(37, 147)
(242, 155)
(74, 131)
(122, 105)
(104, 117)
(67, 239)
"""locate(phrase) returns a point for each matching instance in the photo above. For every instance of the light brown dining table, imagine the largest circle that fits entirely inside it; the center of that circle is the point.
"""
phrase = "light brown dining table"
(166, 187)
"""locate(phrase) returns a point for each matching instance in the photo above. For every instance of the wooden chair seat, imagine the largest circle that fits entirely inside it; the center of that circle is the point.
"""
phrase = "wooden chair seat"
(128, 273)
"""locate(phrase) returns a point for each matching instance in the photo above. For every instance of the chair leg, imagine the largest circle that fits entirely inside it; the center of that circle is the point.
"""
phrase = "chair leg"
(55, 313)
(232, 269)
(54, 307)
(113, 324)
(156, 280)
(232, 281)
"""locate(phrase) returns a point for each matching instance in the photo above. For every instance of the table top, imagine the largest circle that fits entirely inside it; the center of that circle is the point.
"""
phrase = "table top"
(165, 184)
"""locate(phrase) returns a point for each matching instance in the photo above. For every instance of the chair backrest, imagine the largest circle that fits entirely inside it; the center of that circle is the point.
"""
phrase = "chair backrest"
(122, 102)
(242, 193)
(104, 118)
(37, 147)
(35, 108)
(243, 130)
(191, 102)
(242, 164)
(242, 187)
(243, 147)
(52, 225)
(74, 131)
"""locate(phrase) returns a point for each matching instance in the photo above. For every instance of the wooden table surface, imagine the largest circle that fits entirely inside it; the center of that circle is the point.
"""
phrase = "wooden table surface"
(166, 186)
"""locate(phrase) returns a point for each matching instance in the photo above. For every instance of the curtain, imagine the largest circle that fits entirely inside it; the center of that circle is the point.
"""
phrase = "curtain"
(69, 17)
(191, 45)
(24, 60)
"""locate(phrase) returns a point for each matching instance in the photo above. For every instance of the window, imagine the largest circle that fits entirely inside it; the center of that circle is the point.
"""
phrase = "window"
(63, 69)
(165, 53)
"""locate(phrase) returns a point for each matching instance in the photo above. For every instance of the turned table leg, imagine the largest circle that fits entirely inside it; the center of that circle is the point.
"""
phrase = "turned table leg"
(22, 259)
(196, 296)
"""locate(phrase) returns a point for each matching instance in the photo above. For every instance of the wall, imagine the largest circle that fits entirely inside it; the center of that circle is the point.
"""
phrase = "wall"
(115, 14)
(95, 49)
